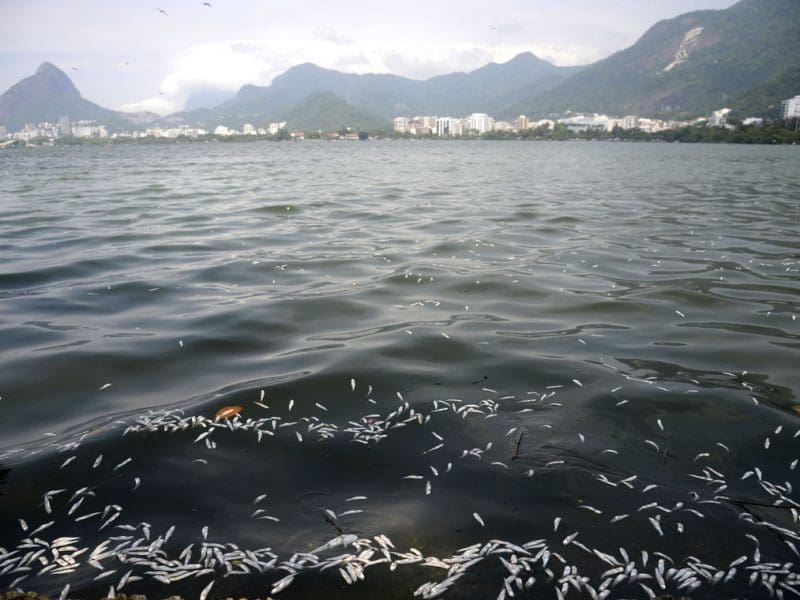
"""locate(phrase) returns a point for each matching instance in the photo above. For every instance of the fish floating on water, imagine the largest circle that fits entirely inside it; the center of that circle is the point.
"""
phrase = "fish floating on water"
(227, 412)
(566, 565)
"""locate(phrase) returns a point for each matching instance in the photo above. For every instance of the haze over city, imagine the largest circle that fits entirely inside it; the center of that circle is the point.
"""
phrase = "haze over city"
(151, 56)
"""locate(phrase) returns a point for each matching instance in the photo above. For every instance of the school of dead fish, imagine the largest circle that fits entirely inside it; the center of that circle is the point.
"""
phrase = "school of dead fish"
(561, 563)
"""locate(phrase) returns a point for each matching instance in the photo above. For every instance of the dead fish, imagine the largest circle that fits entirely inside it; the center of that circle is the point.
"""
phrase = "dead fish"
(341, 540)
(227, 412)
(206, 590)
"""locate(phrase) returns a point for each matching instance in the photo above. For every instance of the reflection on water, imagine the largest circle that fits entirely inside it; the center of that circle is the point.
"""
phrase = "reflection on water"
(472, 369)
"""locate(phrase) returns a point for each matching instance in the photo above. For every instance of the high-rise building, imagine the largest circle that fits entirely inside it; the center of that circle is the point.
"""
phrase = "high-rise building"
(443, 126)
(480, 123)
(65, 125)
(790, 109)
(400, 125)
(522, 123)
(630, 122)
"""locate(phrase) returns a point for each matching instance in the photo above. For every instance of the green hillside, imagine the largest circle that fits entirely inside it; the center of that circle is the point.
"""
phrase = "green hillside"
(764, 100)
(488, 89)
(327, 112)
(721, 55)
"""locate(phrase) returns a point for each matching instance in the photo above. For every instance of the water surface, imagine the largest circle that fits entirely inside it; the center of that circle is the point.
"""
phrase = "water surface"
(604, 317)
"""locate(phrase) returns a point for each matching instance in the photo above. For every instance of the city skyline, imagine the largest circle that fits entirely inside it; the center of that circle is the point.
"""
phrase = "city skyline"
(475, 124)
(156, 60)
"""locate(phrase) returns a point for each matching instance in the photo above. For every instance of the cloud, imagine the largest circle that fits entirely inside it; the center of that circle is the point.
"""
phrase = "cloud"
(226, 66)
(431, 61)
(327, 34)
(220, 65)
(161, 106)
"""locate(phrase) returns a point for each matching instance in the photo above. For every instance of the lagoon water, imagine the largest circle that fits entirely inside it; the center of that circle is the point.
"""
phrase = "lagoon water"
(617, 312)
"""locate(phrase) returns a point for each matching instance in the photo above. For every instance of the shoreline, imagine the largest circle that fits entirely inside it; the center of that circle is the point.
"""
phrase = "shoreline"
(792, 141)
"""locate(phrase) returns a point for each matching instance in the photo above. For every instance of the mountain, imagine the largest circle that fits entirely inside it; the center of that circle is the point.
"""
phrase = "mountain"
(488, 89)
(492, 87)
(49, 94)
(746, 57)
(206, 98)
(764, 100)
(688, 66)
(328, 112)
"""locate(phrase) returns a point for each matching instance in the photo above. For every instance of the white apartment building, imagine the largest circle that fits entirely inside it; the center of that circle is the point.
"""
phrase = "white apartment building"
(274, 128)
(541, 123)
(82, 130)
(479, 123)
(449, 126)
(588, 122)
(426, 121)
(790, 109)
(651, 125)
(174, 132)
(443, 126)
(630, 122)
(719, 118)
(400, 125)
(248, 129)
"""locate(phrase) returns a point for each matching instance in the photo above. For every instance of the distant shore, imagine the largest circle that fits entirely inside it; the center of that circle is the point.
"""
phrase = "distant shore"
(772, 134)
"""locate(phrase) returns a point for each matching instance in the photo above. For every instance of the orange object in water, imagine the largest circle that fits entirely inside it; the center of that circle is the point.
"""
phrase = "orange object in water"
(226, 412)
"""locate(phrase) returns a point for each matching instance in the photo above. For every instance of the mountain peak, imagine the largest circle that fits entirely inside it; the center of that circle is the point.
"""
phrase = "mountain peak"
(47, 67)
(305, 69)
(47, 95)
(522, 65)
(527, 58)
(50, 80)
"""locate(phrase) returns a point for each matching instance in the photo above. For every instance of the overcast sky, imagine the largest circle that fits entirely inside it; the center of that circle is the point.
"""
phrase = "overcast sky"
(125, 54)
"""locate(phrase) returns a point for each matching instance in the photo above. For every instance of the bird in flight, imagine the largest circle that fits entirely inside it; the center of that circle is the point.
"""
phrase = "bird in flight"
(162, 11)
(76, 69)
(208, 4)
